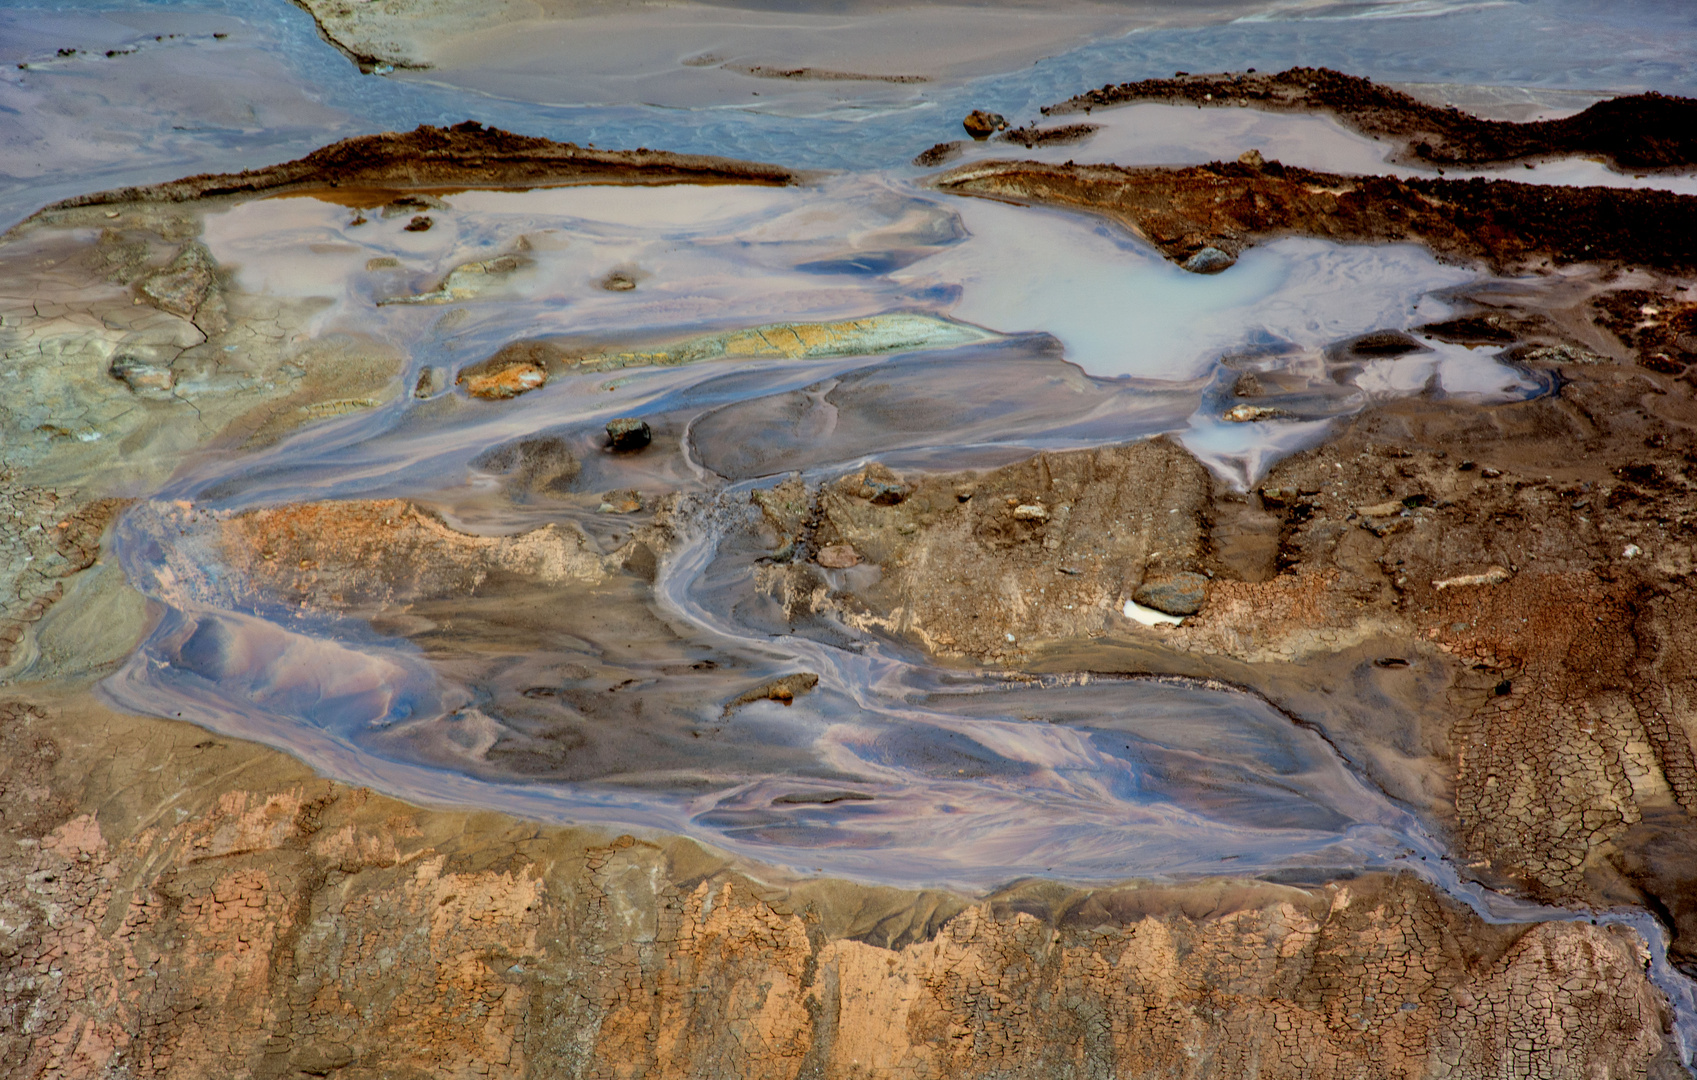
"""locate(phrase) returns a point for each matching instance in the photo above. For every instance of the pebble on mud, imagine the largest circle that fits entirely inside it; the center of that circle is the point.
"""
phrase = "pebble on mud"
(508, 382)
(1210, 260)
(627, 434)
(1248, 414)
(143, 376)
(430, 383)
(618, 281)
(1496, 575)
(419, 223)
(981, 125)
(1182, 593)
(938, 154)
(837, 557)
(620, 502)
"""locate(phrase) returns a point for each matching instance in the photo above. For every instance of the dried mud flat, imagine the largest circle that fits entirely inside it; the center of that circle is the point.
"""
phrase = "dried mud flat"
(1515, 579)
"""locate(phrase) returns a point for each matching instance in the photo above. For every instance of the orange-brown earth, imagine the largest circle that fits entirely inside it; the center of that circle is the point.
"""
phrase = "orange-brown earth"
(189, 907)
(1636, 132)
(1232, 206)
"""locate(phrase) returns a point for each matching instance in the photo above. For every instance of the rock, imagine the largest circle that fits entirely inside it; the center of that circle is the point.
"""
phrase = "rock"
(620, 502)
(837, 557)
(147, 376)
(430, 383)
(943, 151)
(881, 487)
(618, 281)
(628, 434)
(1246, 414)
(181, 286)
(783, 690)
(1210, 260)
(1496, 575)
(981, 125)
(1174, 594)
(506, 382)
(1252, 158)
(1383, 343)
(419, 223)
(1031, 512)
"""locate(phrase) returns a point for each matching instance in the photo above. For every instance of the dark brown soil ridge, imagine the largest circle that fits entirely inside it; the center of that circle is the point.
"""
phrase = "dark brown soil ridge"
(1203, 216)
(467, 155)
(1640, 132)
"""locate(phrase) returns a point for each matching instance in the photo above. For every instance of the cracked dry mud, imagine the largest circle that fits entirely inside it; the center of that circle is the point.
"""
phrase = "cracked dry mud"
(1510, 583)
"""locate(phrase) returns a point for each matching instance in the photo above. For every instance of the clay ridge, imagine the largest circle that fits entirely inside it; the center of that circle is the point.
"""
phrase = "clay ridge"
(1231, 206)
(1638, 132)
(465, 155)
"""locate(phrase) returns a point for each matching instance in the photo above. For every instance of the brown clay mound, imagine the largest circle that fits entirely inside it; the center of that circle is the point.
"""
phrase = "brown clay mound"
(1641, 132)
(1228, 207)
(467, 155)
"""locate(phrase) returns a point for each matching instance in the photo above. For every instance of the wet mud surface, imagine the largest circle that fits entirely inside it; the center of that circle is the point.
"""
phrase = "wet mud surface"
(1634, 133)
(848, 658)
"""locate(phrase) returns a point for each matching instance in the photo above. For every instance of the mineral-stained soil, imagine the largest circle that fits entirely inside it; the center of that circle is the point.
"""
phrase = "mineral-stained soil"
(1639, 132)
(430, 158)
(196, 907)
(1231, 206)
(1540, 553)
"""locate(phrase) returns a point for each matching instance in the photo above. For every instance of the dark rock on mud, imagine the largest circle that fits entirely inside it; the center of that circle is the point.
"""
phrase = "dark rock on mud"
(938, 154)
(783, 690)
(618, 281)
(628, 434)
(1174, 594)
(1231, 206)
(369, 168)
(1033, 136)
(1641, 132)
(1209, 260)
(981, 125)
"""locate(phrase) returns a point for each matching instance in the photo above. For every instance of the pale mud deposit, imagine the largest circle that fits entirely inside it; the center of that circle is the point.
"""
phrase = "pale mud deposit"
(473, 604)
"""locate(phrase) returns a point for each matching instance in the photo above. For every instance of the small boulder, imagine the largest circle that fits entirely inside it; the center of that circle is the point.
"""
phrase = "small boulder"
(1210, 260)
(150, 377)
(628, 434)
(181, 287)
(943, 151)
(504, 382)
(981, 125)
(837, 557)
(625, 501)
(1182, 593)
(881, 487)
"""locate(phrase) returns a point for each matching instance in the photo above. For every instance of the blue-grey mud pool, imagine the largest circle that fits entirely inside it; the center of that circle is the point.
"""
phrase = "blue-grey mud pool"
(811, 539)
